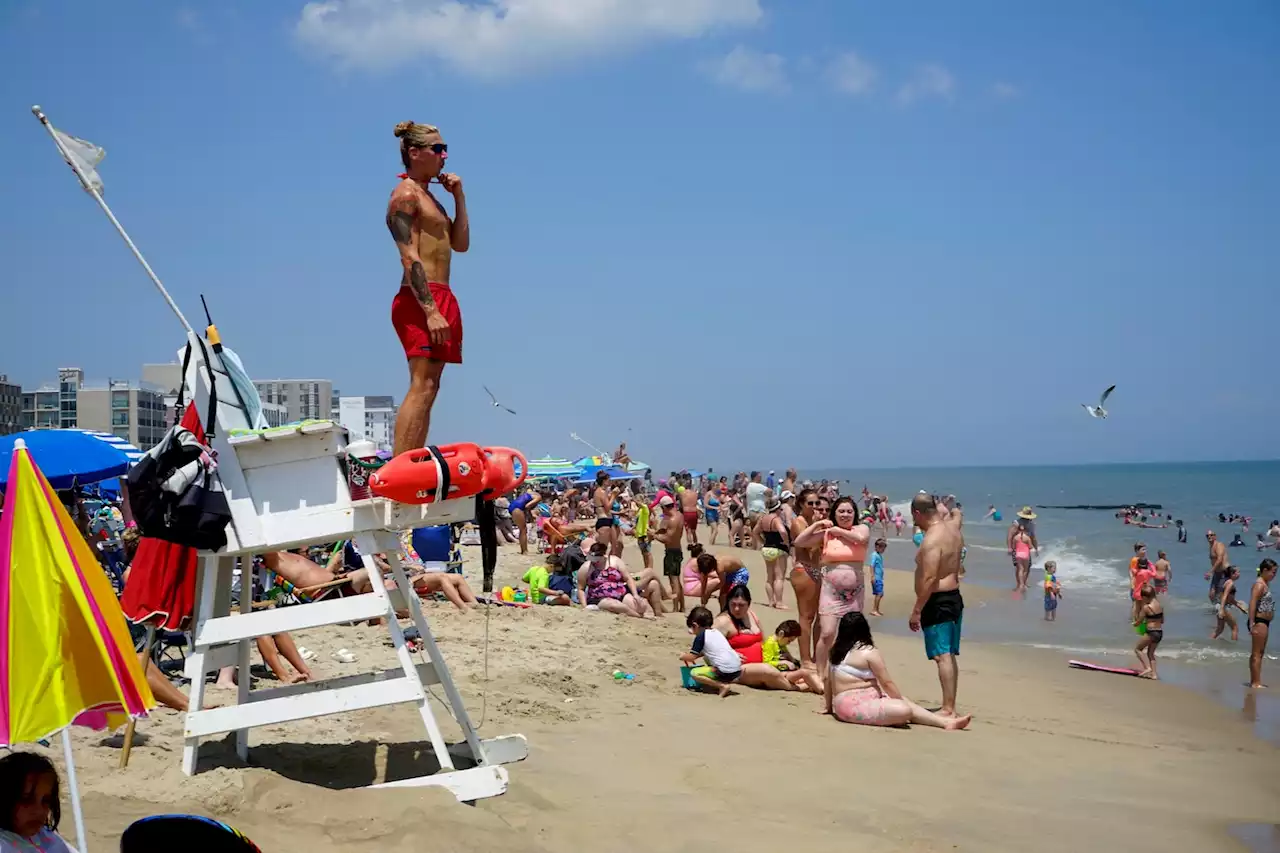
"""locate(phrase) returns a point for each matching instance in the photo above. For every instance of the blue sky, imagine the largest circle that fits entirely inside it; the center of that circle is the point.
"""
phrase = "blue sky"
(734, 232)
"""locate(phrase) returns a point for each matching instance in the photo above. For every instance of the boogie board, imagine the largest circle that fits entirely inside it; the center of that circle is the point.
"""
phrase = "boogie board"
(1097, 667)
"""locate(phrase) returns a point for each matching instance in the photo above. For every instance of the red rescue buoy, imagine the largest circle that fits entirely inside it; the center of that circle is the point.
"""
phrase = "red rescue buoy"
(413, 477)
(504, 469)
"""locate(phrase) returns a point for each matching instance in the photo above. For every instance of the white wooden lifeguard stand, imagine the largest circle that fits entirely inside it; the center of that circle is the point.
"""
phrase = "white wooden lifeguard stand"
(287, 489)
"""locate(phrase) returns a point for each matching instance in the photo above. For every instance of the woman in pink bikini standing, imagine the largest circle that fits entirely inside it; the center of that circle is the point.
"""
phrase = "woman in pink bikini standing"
(843, 542)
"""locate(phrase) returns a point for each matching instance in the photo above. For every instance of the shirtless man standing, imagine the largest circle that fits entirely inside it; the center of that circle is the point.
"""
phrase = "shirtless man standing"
(425, 313)
(939, 607)
(669, 534)
(689, 511)
(1216, 576)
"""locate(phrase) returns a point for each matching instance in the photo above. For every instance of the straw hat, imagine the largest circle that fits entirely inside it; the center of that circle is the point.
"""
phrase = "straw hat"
(1026, 513)
(774, 505)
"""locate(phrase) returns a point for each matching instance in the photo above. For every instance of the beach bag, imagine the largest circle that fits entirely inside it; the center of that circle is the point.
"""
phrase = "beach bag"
(174, 489)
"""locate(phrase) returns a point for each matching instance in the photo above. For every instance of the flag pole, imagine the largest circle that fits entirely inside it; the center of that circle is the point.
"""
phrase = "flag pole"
(97, 196)
(82, 843)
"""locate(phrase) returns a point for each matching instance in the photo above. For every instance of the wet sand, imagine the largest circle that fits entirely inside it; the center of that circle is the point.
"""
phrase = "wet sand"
(1055, 760)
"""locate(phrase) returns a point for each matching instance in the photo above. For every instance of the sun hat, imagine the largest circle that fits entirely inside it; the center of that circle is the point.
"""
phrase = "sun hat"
(786, 495)
(774, 505)
(1026, 513)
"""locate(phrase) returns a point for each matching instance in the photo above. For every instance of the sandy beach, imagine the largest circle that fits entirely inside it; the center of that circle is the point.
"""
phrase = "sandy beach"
(1055, 760)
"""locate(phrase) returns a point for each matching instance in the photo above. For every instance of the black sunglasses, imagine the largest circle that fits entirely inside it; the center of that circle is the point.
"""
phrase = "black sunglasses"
(435, 148)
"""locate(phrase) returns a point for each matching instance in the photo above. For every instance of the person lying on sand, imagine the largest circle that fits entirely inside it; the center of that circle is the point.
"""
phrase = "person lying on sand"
(860, 690)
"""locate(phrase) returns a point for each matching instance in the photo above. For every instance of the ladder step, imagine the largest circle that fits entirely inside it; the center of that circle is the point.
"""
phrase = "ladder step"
(297, 617)
(317, 703)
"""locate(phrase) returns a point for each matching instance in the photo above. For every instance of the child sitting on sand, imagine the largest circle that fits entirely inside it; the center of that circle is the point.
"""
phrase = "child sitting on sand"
(1052, 590)
(775, 649)
(29, 805)
(559, 588)
(723, 664)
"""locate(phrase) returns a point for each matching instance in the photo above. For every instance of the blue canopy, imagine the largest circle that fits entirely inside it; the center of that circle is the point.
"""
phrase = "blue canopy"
(615, 473)
(70, 457)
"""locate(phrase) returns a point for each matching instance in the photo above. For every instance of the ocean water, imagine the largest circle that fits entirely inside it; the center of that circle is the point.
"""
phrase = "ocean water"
(1093, 549)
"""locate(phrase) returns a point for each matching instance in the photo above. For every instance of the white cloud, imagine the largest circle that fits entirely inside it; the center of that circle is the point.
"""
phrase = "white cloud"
(490, 38)
(749, 70)
(852, 74)
(1005, 91)
(928, 81)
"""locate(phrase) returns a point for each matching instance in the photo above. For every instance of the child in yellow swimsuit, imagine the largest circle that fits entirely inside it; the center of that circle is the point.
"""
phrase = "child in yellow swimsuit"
(775, 648)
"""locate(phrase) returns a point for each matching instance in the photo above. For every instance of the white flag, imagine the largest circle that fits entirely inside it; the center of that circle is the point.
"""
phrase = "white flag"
(83, 154)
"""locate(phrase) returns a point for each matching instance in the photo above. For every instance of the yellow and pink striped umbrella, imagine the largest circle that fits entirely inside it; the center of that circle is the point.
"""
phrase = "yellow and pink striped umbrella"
(65, 651)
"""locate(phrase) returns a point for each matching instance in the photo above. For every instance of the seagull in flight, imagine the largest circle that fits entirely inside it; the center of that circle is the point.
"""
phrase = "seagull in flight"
(1098, 411)
(498, 405)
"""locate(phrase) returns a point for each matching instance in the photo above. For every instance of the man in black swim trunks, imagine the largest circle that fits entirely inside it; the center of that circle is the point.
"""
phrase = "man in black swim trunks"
(669, 534)
(939, 608)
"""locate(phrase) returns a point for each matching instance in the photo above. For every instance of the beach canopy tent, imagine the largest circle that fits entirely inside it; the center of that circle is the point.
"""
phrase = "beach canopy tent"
(589, 476)
(66, 656)
(71, 457)
(550, 468)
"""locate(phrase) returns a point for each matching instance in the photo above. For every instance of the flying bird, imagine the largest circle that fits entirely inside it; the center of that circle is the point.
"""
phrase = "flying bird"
(498, 405)
(1098, 411)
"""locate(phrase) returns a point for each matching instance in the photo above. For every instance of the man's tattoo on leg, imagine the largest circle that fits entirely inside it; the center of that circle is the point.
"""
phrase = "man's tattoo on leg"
(401, 226)
(418, 281)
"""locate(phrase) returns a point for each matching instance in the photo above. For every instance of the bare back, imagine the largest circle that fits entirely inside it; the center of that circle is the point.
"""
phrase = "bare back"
(945, 542)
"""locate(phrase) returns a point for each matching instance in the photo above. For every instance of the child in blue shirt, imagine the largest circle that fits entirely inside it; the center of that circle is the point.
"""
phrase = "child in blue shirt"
(877, 576)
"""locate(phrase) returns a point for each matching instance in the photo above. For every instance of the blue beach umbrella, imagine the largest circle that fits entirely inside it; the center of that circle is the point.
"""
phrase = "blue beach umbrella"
(71, 457)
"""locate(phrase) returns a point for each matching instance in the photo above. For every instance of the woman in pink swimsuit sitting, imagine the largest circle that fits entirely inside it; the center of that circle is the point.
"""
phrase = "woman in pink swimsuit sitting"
(844, 548)
(859, 689)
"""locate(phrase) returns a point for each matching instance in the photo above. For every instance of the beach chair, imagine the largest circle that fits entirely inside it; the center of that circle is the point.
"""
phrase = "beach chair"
(287, 487)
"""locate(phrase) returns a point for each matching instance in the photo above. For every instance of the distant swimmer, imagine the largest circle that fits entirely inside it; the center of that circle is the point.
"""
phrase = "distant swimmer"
(993, 514)
(424, 312)
(1217, 565)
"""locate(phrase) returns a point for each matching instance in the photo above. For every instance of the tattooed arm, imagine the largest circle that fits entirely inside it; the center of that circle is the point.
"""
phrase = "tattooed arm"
(402, 221)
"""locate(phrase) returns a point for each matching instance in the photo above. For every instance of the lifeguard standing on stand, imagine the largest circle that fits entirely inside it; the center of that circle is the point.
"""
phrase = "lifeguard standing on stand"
(424, 312)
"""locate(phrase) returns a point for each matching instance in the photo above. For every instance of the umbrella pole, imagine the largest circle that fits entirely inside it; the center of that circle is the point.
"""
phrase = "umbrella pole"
(82, 844)
(144, 658)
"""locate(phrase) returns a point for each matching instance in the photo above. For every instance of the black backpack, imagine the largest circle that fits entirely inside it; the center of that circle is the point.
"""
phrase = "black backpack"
(174, 489)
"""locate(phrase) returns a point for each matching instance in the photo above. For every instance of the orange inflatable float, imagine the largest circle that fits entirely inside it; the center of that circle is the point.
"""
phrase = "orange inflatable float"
(504, 469)
(448, 472)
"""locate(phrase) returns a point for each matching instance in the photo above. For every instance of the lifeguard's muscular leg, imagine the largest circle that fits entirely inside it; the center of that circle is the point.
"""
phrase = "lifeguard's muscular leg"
(413, 421)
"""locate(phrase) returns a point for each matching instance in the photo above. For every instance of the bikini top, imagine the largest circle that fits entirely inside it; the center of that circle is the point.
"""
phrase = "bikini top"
(856, 672)
(837, 550)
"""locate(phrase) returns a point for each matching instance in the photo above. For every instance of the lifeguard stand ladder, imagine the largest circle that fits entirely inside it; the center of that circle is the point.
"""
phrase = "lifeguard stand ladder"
(286, 489)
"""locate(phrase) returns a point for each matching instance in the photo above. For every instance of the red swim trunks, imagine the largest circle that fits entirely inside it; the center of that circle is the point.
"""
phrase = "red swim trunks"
(690, 519)
(411, 324)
